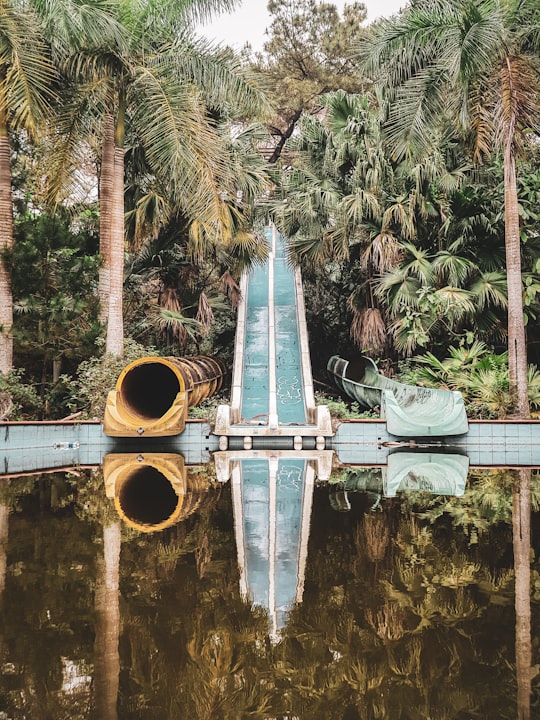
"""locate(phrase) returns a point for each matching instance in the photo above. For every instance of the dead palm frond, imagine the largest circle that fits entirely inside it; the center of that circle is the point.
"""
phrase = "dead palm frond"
(383, 253)
(169, 300)
(376, 532)
(388, 622)
(230, 288)
(205, 314)
(368, 330)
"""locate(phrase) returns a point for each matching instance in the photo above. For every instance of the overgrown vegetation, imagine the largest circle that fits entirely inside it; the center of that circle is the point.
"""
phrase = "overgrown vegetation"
(399, 228)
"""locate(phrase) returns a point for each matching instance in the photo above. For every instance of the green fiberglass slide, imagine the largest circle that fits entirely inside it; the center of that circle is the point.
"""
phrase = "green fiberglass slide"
(255, 379)
(291, 406)
(409, 410)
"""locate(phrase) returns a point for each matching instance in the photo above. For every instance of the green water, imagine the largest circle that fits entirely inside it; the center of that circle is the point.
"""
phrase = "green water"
(409, 610)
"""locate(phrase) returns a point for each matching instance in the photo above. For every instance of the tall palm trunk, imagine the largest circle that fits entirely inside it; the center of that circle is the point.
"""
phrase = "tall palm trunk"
(521, 526)
(115, 320)
(517, 347)
(6, 243)
(105, 202)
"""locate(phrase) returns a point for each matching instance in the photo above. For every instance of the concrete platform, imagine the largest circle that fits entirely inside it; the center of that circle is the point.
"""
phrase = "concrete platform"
(27, 447)
(487, 443)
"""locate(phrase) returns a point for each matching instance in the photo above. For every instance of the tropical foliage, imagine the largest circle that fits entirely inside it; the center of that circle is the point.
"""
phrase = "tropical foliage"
(308, 53)
(391, 168)
(480, 375)
(469, 71)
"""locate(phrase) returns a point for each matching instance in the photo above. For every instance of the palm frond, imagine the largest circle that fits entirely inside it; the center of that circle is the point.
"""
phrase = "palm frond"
(368, 330)
(28, 76)
(230, 288)
(490, 288)
(398, 290)
(383, 252)
(176, 323)
(205, 314)
(453, 268)
(454, 304)
(401, 216)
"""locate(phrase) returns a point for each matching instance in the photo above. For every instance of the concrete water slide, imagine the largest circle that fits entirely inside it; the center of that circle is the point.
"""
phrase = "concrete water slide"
(272, 387)
(409, 410)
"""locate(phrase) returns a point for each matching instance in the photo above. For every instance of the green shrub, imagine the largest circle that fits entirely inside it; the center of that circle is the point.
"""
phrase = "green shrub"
(475, 371)
(87, 392)
(340, 409)
(18, 399)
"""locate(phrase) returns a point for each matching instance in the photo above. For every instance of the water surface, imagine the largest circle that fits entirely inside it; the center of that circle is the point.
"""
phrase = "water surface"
(418, 606)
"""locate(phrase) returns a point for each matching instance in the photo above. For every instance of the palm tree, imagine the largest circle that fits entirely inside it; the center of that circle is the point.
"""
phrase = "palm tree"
(334, 202)
(346, 199)
(156, 91)
(185, 269)
(74, 28)
(470, 68)
(35, 37)
(433, 297)
(26, 78)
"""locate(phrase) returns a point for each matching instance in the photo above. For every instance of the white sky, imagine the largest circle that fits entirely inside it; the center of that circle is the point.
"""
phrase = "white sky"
(249, 22)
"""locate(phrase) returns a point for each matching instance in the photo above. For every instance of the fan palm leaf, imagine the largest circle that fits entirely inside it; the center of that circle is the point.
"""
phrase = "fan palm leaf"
(451, 268)
(383, 253)
(454, 303)
(410, 334)
(417, 262)
(490, 288)
(398, 290)
(27, 81)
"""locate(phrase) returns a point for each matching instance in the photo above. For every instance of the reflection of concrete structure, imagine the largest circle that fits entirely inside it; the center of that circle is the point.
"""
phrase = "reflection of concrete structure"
(151, 491)
(272, 497)
(409, 411)
(29, 447)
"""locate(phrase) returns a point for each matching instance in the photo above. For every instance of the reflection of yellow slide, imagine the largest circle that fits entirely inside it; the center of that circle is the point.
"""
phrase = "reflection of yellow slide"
(409, 410)
(153, 394)
(151, 491)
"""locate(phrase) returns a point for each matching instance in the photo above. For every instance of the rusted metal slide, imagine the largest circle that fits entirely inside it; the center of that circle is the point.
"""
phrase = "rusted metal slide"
(153, 394)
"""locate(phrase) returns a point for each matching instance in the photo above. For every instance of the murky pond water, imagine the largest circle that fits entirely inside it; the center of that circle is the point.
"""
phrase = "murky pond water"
(420, 606)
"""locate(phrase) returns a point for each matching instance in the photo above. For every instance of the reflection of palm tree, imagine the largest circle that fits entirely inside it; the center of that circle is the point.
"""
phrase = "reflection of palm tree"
(376, 535)
(224, 685)
(388, 621)
(106, 653)
(4, 534)
(521, 526)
